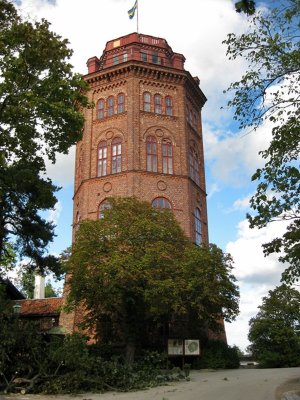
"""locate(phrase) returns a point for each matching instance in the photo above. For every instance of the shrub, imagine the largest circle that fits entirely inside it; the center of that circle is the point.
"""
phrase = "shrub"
(67, 364)
(216, 355)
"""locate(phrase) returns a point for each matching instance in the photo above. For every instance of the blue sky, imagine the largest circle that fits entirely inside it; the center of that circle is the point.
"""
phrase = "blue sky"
(195, 28)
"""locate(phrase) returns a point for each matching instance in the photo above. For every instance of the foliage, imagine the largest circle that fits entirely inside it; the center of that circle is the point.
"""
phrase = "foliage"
(217, 354)
(8, 261)
(269, 93)
(36, 363)
(135, 266)
(275, 331)
(40, 101)
(26, 281)
(245, 6)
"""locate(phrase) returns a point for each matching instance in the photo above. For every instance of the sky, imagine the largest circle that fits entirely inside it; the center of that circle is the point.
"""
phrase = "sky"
(195, 28)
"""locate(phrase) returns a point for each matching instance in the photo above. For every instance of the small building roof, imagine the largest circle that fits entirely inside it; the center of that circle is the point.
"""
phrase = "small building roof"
(11, 291)
(38, 307)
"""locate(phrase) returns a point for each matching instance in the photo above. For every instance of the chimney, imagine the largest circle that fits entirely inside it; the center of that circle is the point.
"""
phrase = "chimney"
(39, 287)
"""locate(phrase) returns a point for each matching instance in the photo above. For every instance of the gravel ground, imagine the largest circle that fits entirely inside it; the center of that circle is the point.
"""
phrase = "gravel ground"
(241, 384)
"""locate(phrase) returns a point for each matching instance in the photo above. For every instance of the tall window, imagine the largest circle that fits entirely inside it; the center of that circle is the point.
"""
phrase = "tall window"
(157, 104)
(100, 109)
(116, 153)
(115, 60)
(167, 157)
(110, 106)
(147, 102)
(161, 202)
(198, 227)
(155, 58)
(102, 159)
(105, 205)
(151, 149)
(121, 102)
(144, 56)
(194, 165)
(169, 105)
(125, 57)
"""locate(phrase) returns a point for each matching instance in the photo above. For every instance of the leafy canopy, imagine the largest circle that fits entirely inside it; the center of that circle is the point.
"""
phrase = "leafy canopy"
(40, 101)
(245, 6)
(136, 264)
(269, 93)
(275, 331)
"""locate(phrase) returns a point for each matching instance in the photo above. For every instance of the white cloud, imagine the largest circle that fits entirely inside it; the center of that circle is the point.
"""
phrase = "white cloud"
(54, 214)
(212, 189)
(62, 172)
(256, 274)
(249, 241)
(242, 204)
(233, 158)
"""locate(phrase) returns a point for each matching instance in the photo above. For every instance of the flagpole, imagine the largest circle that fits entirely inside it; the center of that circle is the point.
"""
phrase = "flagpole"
(137, 16)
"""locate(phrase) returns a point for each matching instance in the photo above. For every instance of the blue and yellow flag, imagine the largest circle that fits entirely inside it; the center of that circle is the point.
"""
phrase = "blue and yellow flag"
(131, 12)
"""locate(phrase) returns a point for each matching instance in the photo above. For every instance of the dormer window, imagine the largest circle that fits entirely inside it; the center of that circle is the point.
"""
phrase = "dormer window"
(155, 58)
(115, 60)
(144, 56)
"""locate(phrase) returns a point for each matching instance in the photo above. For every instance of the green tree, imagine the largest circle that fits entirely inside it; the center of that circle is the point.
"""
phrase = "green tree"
(245, 6)
(9, 260)
(275, 331)
(136, 265)
(25, 284)
(269, 92)
(40, 102)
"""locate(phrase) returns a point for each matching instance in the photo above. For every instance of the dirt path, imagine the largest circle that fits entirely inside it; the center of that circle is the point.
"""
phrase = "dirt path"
(242, 384)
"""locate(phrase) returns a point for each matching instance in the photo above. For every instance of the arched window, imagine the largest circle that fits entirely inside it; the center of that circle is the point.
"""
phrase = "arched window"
(194, 165)
(105, 205)
(151, 149)
(198, 227)
(157, 104)
(147, 102)
(167, 157)
(102, 159)
(110, 106)
(100, 109)
(161, 202)
(121, 102)
(169, 105)
(116, 155)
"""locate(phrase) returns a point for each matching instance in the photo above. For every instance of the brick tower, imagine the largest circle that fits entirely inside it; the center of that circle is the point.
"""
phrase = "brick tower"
(143, 138)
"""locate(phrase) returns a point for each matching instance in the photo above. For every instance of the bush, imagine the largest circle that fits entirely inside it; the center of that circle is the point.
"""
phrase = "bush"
(216, 355)
(46, 364)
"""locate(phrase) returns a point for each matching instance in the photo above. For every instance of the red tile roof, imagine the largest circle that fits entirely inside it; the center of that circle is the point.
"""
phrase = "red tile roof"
(49, 306)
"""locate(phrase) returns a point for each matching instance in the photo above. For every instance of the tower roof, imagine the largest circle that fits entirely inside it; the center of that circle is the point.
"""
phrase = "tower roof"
(136, 47)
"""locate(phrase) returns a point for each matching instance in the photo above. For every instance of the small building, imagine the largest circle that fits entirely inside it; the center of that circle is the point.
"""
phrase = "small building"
(45, 312)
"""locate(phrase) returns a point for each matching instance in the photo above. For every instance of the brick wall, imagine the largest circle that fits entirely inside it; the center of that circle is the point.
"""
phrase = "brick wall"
(183, 129)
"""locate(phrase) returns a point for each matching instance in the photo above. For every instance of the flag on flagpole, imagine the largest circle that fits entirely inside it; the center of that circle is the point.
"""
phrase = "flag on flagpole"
(131, 12)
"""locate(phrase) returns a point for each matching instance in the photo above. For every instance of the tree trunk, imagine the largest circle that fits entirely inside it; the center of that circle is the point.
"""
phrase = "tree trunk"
(130, 351)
